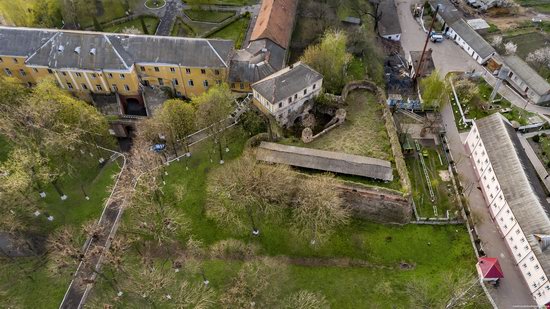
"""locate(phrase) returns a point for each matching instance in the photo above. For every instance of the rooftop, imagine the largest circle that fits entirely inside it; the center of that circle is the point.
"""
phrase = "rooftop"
(336, 162)
(527, 74)
(428, 65)
(275, 21)
(389, 22)
(518, 181)
(260, 59)
(286, 82)
(476, 41)
(478, 23)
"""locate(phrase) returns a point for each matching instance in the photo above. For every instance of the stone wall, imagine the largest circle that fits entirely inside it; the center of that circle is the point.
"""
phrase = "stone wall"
(376, 204)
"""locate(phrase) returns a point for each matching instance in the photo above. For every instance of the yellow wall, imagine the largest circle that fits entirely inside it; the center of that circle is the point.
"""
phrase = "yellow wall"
(241, 87)
(82, 80)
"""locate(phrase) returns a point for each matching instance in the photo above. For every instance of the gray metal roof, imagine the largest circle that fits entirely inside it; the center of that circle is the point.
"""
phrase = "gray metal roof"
(336, 162)
(447, 10)
(389, 22)
(518, 180)
(470, 36)
(112, 51)
(260, 59)
(22, 41)
(533, 80)
(95, 52)
(286, 82)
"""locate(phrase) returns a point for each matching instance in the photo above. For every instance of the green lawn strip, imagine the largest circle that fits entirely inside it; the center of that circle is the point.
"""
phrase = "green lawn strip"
(235, 31)
(182, 29)
(5, 148)
(112, 9)
(155, 3)
(223, 2)
(151, 23)
(208, 15)
(30, 289)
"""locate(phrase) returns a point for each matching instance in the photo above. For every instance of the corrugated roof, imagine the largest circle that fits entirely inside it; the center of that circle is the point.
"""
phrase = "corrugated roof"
(518, 180)
(57, 49)
(275, 21)
(286, 82)
(389, 22)
(22, 41)
(470, 36)
(447, 10)
(533, 80)
(336, 162)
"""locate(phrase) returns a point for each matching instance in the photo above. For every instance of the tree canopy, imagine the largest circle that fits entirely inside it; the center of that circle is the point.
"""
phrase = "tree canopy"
(434, 90)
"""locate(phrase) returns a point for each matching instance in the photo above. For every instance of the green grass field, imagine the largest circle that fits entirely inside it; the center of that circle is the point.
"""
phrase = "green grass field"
(182, 29)
(151, 23)
(235, 31)
(539, 5)
(434, 252)
(208, 16)
(221, 2)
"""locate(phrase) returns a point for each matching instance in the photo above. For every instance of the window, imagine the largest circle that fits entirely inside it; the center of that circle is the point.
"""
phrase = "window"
(205, 84)
(526, 247)
(529, 273)
(78, 74)
(305, 91)
(161, 82)
(84, 87)
(493, 179)
(203, 71)
(548, 287)
(216, 72)
(190, 82)
(35, 70)
(1, 60)
(64, 73)
(515, 247)
(232, 85)
(241, 85)
(295, 96)
(314, 86)
(532, 258)
(69, 85)
(142, 69)
(175, 81)
(94, 75)
(22, 72)
(517, 231)
(122, 76)
(50, 71)
(126, 87)
(110, 75)
(187, 71)
(173, 70)
(98, 87)
(290, 100)
(280, 104)
(8, 72)
(537, 266)
(29, 84)
(114, 87)
(522, 239)
(511, 238)
(15, 60)
(524, 265)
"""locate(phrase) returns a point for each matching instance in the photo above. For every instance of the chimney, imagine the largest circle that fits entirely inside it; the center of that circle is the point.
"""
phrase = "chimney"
(77, 50)
(60, 48)
(92, 51)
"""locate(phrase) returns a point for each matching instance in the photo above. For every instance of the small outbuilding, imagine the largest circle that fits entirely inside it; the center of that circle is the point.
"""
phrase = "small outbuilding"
(489, 269)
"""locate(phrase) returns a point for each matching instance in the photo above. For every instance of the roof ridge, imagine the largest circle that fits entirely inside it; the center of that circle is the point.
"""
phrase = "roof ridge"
(216, 52)
(41, 46)
(116, 51)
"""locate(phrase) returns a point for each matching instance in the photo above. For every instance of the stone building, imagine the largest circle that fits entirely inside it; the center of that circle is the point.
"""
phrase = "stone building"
(287, 94)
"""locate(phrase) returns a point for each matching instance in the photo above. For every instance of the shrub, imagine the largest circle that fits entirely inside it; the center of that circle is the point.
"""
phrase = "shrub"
(233, 249)
(536, 138)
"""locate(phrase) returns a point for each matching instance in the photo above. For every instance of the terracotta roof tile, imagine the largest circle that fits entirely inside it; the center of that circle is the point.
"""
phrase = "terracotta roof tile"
(275, 21)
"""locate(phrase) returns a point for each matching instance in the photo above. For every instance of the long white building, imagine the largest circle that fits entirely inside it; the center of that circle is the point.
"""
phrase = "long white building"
(515, 198)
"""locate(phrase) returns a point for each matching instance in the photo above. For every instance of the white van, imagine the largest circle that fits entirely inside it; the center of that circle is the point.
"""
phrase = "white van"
(436, 38)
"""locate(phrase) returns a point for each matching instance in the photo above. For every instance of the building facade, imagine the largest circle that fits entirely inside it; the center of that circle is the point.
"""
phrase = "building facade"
(526, 81)
(287, 94)
(120, 64)
(515, 199)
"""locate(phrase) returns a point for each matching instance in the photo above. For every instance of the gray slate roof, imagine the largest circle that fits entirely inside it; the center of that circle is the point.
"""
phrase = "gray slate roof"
(260, 59)
(447, 11)
(518, 180)
(470, 36)
(22, 41)
(527, 74)
(286, 82)
(389, 22)
(336, 162)
(112, 51)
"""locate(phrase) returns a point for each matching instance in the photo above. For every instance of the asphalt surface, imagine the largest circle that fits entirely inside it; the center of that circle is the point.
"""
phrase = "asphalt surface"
(171, 11)
(449, 57)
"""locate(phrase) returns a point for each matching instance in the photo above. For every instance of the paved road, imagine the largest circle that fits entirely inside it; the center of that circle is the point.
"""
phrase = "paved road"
(449, 57)
(171, 11)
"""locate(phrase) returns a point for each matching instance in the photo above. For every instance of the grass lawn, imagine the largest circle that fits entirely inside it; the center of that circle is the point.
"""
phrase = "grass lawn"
(34, 287)
(235, 31)
(4, 148)
(542, 149)
(433, 251)
(208, 16)
(539, 5)
(529, 42)
(151, 23)
(105, 11)
(155, 3)
(182, 29)
(444, 195)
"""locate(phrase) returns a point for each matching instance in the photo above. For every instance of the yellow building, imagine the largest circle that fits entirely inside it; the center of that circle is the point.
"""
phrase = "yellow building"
(114, 64)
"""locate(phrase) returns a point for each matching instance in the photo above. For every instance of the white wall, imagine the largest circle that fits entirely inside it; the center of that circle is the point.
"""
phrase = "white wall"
(393, 37)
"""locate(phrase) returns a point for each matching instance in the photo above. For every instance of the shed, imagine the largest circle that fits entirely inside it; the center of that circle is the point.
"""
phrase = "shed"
(489, 269)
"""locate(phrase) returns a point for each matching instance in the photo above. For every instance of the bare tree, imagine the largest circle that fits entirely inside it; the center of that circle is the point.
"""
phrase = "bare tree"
(496, 41)
(257, 285)
(510, 48)
(306, 300)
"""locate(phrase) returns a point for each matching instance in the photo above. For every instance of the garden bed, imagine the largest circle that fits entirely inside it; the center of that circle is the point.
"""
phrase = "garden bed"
(210, 16)
(235, 31)
(182, 29)
(151, 23)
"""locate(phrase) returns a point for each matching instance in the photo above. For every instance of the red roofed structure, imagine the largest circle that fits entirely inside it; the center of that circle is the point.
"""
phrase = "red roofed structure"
(489, 269)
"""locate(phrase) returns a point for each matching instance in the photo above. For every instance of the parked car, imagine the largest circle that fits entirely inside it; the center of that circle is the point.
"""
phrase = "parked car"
(158, 147)
(436, 38)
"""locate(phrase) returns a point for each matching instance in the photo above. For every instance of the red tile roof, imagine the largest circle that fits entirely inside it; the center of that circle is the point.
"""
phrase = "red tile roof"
(489, 268)
(275, 21)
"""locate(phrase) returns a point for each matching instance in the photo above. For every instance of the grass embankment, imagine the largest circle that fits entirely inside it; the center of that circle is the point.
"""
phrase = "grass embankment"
(210, 16)
(151, 23)
(432, 252)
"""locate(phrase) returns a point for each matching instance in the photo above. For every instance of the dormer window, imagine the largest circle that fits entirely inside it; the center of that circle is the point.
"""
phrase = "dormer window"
(92, 51)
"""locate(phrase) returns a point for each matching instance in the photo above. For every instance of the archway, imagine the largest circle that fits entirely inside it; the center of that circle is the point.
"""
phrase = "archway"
(135, 108)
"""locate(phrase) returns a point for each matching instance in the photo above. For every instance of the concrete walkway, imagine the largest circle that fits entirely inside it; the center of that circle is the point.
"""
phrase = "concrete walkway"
(171, 11)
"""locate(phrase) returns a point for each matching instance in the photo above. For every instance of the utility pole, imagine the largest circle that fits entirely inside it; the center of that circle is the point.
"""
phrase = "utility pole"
(421, 62)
